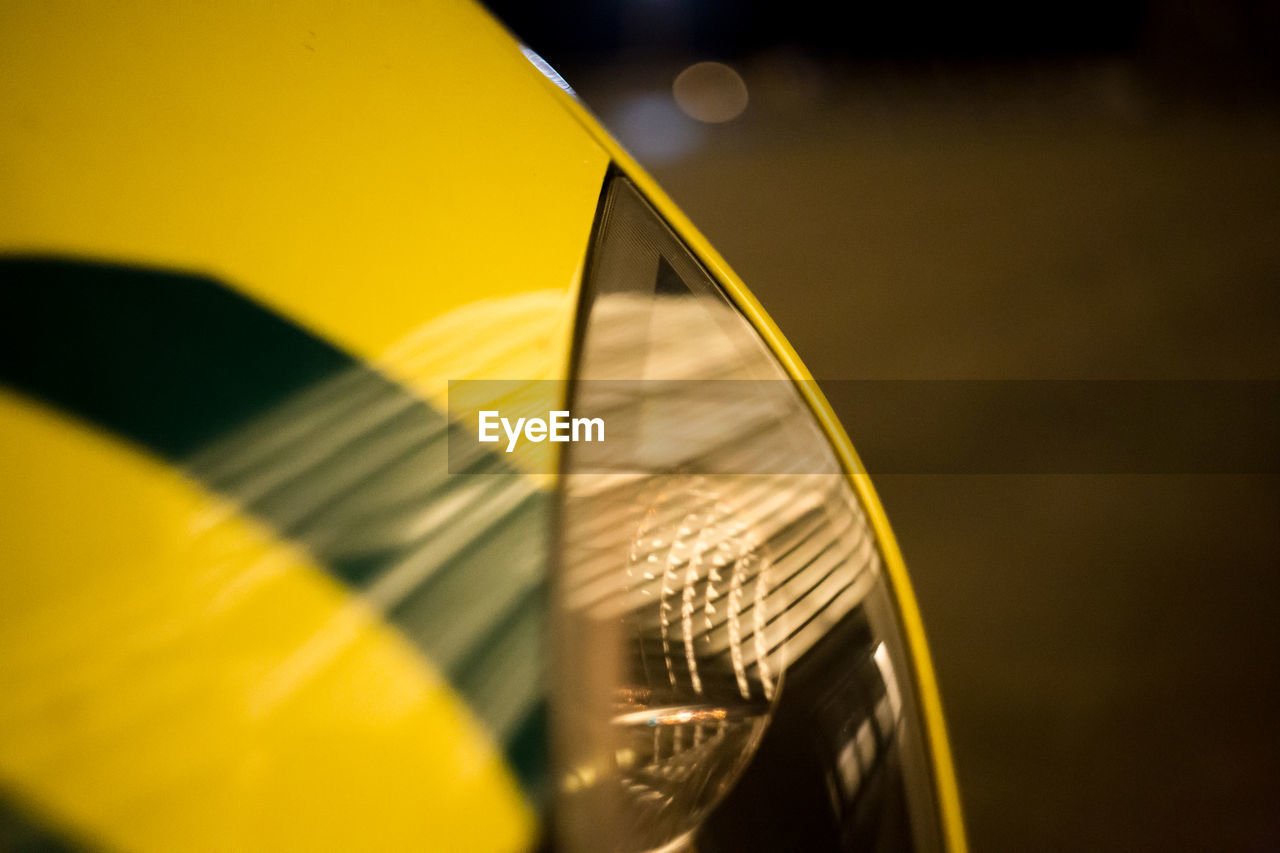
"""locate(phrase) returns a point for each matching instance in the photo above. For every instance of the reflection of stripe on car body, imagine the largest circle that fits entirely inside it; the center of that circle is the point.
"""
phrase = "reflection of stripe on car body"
(320, 446)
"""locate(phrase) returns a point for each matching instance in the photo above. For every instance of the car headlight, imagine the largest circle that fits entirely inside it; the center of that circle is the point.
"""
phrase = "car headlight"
(729, 671)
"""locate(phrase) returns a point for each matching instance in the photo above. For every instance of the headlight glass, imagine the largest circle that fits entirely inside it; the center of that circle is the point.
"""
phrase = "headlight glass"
(728, 668)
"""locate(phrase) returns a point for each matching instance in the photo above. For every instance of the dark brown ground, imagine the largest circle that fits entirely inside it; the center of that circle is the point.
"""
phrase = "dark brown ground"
(1106, 644)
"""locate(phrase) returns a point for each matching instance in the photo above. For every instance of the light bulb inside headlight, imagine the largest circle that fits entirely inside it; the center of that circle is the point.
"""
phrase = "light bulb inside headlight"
(708, 545)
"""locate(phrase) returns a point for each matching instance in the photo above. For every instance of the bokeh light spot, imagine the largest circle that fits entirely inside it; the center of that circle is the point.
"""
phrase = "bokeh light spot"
(711, 92)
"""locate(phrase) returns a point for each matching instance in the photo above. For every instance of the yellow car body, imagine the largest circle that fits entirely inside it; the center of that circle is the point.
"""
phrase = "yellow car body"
(399, 183)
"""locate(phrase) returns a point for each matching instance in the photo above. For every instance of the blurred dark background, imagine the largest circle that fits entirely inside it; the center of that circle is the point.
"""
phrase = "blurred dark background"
(1080, 190)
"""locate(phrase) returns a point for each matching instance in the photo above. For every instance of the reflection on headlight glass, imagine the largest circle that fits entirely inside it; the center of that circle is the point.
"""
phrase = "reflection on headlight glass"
(700, 559)
(705, 586)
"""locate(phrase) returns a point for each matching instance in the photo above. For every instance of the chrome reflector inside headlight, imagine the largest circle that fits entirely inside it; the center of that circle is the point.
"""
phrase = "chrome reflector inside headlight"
(711, 551)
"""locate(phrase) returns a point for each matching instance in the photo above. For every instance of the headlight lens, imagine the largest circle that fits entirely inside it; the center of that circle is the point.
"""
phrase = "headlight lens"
(719, 595)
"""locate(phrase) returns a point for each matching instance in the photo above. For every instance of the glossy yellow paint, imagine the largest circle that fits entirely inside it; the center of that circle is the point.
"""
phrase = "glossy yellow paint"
(360, 168)
(172, 677)
(367, 171)
(909, 611)
(518, 340)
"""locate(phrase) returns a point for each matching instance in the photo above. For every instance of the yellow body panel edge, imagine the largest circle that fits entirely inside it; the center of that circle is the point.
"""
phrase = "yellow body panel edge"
(913, 624)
